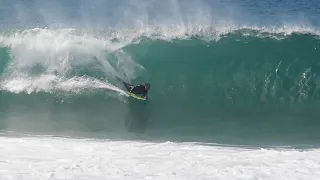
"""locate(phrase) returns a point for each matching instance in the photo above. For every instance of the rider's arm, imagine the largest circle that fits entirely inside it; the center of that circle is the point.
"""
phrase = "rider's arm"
(145, 94)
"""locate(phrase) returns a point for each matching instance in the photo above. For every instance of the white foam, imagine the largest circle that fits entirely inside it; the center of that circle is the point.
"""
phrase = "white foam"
(59, 158)
(51, 83)
(60, 51)
(57, 50)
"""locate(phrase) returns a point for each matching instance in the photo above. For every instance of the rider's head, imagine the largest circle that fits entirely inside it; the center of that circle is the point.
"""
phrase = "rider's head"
(148, 86)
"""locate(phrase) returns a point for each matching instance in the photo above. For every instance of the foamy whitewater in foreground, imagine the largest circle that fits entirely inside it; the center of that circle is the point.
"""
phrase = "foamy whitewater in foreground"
(60, 158)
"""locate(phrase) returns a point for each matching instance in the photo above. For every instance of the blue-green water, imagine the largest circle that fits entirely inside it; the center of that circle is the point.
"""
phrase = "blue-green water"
(233, 72)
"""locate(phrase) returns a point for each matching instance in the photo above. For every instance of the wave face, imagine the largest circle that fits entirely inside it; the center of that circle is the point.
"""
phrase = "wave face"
(217, 76)
(240, 84)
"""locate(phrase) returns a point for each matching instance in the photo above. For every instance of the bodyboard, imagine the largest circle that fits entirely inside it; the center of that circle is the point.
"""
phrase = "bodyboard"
(136, 96)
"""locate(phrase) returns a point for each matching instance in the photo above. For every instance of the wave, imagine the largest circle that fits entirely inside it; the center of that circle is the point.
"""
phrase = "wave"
(202, 78)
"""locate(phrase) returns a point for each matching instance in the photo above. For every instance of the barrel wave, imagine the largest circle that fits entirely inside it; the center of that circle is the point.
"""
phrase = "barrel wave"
(243, 86)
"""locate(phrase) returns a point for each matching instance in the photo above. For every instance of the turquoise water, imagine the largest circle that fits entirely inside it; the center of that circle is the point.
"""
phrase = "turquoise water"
(218, 73)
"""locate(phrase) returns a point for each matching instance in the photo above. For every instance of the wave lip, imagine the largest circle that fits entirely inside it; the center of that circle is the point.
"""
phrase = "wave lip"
(112, 39)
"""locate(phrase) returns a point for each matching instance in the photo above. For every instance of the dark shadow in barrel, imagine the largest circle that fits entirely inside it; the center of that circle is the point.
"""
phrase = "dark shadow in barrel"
(137, 116)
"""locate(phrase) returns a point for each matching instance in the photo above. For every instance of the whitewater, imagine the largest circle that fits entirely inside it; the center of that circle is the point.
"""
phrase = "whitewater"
(63, 158)
(235, 90)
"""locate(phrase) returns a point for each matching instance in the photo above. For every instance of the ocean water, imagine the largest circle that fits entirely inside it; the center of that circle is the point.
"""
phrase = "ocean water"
(235, 89)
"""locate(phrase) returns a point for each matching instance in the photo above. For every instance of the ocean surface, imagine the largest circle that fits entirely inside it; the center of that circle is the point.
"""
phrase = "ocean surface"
(235, 89)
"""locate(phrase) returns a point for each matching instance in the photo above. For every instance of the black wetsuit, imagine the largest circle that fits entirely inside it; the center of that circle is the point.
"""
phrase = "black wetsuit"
(139, 89)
